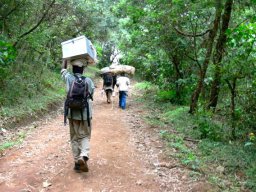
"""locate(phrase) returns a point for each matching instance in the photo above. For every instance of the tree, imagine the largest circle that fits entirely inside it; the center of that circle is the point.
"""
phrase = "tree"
(209, 48)
(219, 51)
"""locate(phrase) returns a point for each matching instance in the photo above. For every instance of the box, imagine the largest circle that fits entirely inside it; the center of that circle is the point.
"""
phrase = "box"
(79, 48)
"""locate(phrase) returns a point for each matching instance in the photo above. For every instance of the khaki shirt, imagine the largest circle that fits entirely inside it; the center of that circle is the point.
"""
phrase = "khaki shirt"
(69, 78)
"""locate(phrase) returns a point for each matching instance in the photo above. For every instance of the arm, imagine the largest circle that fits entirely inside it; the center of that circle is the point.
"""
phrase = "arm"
(128, 82)
(102, 82)
(64, 72)
(92, 87)
(64, 64)
(117, 82)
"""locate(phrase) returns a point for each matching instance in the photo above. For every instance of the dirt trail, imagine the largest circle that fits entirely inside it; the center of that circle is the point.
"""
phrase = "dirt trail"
(121, 159)
(44, 161)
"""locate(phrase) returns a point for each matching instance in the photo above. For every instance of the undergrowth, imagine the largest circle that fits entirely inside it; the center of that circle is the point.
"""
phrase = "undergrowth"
(39, 101)
(202, 142)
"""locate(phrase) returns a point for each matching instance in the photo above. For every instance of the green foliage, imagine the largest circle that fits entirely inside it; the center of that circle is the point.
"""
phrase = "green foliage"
(31, 35)
(251, 172)
(185, 154)
(7, 53)
(7, 56)
(157, 38)
(175, 113)
(91, 71)
(145, 85)
(166, 96)
(7, 145)
(208, 127)
(212, 151)
(179, 118)
(20, 137)
(17, 106)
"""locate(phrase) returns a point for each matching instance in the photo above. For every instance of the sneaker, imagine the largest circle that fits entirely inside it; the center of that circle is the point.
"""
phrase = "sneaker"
(83, 164)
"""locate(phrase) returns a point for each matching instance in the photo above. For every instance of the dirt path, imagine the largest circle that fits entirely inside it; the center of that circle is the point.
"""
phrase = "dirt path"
(45, 158)
(123, 157)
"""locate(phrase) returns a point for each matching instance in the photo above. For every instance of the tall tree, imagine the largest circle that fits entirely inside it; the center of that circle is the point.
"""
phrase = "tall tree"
(209, 48)
(219, 51)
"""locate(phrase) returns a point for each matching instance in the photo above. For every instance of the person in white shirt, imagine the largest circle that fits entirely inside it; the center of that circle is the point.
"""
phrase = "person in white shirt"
(123, 83)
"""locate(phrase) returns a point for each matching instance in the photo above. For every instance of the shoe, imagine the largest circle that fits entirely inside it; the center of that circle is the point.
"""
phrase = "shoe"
(77, 168)
(82, 161)
(85, 158)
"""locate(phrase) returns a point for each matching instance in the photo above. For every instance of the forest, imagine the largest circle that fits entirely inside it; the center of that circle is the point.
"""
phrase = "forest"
(195, 61)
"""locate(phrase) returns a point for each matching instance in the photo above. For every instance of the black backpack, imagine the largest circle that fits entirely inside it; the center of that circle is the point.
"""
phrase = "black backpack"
(108, 80)
(77, 98)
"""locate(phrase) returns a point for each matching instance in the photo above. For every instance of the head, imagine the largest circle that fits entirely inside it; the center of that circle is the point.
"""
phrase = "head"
(122, 74)
(77, 69)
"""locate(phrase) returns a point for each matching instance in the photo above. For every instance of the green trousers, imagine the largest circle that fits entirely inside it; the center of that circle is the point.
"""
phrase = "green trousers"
(80, 134)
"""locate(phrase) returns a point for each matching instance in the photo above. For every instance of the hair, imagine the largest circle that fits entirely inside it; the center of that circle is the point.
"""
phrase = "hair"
(122, 74)
(77, 69)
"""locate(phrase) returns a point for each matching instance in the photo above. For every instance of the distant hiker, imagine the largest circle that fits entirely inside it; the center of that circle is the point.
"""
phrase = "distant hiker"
(108, 85)
(123, 84)
(78, 109)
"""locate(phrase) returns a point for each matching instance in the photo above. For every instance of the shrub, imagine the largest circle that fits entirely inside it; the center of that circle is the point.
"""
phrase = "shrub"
(166, 96)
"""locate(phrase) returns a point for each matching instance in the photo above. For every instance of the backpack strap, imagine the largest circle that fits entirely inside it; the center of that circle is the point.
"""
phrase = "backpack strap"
(88, 115)
(87, 92)
(65, 112)
(87, 95)
(71, 88)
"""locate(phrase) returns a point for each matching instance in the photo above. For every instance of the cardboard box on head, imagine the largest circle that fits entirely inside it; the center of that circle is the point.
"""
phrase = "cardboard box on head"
(79, 50)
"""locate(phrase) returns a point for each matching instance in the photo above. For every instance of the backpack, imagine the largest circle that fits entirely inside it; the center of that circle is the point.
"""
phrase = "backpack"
(77, 98)
(108, 80)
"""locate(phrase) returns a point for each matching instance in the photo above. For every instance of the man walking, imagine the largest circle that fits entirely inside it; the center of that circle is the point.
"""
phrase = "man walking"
(123, 84)
(79, 119)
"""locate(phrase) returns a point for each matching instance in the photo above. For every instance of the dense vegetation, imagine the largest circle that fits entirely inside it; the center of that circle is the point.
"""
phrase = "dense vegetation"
(199, 57)
(30, 51)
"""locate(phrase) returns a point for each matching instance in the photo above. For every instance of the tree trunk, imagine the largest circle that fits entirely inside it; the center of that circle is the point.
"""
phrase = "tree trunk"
(220, 46)
(178, 75)
(232, 88)
(212, 35)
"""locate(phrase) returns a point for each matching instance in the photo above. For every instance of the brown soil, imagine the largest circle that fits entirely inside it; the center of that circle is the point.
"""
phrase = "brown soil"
(126, 156)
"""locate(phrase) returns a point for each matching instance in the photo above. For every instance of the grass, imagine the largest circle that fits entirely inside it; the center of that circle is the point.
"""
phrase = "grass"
(32, 105)
(10, 143)
(230, 165)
